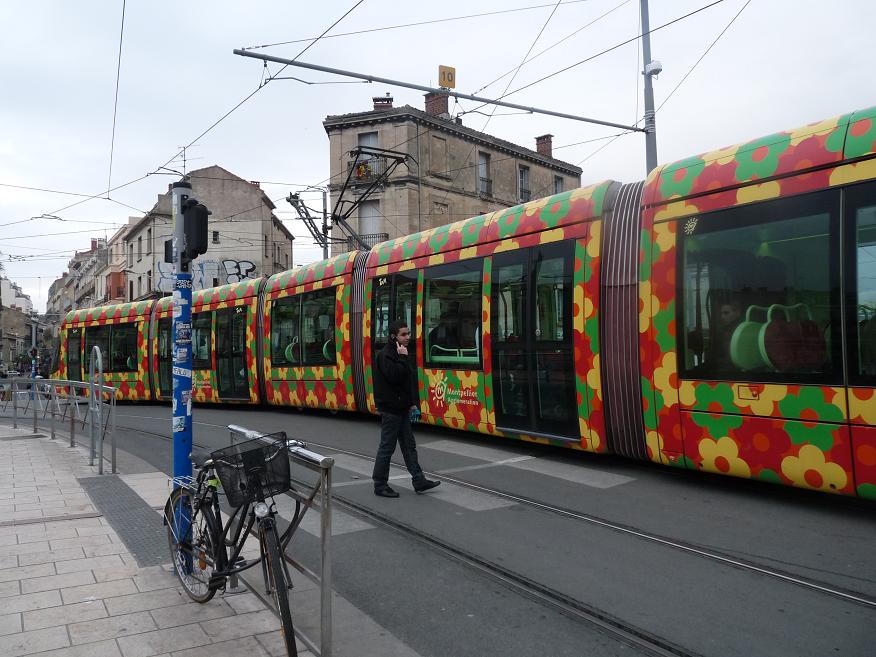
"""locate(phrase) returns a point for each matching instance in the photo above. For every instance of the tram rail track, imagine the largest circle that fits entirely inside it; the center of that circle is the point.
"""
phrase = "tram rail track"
(700, 551)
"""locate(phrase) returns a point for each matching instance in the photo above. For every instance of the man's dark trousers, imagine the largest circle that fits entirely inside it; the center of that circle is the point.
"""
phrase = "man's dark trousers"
(396, 429)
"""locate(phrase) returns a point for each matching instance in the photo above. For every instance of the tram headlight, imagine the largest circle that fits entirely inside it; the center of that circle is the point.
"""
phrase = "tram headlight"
(261, 509)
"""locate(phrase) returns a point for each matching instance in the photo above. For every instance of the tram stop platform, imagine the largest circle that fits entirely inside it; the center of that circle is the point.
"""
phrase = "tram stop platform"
(85, 571)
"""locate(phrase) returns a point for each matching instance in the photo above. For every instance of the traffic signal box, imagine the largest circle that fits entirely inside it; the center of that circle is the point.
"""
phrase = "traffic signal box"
(195, 226)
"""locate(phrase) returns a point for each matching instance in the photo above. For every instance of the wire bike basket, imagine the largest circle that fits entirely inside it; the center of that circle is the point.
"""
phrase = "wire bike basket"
(247, 467)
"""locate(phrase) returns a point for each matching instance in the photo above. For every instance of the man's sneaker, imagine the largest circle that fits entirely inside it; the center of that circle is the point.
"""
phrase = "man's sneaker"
(386, 491)
(426, 484)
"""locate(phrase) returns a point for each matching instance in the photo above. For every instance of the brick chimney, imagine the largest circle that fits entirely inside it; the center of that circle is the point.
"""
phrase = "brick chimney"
(382, 102)
(545, 145)
(93, 244)
(436, 105)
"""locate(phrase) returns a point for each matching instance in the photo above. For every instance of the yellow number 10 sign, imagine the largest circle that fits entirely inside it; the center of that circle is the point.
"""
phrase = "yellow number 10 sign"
(447, 77)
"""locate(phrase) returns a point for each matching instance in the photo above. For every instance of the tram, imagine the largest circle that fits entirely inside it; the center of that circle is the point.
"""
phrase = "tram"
(718, 316)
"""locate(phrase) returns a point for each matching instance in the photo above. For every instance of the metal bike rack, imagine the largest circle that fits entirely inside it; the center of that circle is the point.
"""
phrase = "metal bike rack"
(323, 466)
(47, 395)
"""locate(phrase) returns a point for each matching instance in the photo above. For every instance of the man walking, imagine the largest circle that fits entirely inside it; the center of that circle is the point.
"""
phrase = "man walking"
(395, 392)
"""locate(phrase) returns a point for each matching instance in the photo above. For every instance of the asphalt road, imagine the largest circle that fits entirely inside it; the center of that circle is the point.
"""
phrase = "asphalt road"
(443, 608)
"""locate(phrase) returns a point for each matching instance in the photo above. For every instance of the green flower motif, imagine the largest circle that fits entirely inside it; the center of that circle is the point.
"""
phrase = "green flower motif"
(678, 179)
(836, 139)
(471, 231)
(409, 246)
(861, 137)
(717, 425)
(811, 400)
(591, 330)
(770, 476)
(598, 198)
(721, 394)
(662, 320)
(760, 158)
(650, 403)
(684, 462)
(439, 238)
(509, 221)
(800, 433)
(645, 250)
(867, 491)
(551, 217)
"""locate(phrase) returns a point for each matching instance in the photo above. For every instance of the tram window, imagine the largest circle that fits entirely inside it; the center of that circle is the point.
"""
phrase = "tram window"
(98, 336)
(285, 340)
(202, 332)
(123, 339)
(551, 284)
(861, 202)
(452, 315)
(380, 317)
(760, 292)
(318, 327)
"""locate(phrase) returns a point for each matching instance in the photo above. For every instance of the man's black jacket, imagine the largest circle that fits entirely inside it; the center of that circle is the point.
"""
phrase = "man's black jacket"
(394, 382)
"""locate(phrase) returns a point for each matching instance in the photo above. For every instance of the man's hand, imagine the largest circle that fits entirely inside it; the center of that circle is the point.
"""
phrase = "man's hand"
(402, 350)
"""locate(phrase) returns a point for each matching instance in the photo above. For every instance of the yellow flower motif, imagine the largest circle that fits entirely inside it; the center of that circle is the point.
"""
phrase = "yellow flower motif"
(687, 394)
(468, 379)
(664, 236)
(588, 306)
(593, 243)
(554, 235)
(311, 400)
(653, 176)
(674, 211)
(534, 207)
(853, 173)
(722, 155)
(820, 128)
(593, 377)
(464, 254)
(765, 403)
(863, 408)
(507, 245)
(722, 456)
(583, 192)
(663, 377)
(655, 447)
(759, 192)
(331, 400)
(382, 270)
(809, 469)
(645, 299)
(409, 264)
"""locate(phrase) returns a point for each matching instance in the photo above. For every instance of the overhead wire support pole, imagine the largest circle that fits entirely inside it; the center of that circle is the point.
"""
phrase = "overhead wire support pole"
(435, 90)
(650, 69)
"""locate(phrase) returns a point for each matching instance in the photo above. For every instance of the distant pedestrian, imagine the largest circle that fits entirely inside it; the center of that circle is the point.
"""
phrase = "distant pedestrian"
(395, 392)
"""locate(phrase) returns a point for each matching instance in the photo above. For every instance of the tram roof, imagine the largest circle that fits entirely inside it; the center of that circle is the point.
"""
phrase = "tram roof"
(546, 214)
(107, 314)
(315, 271)
(230, 292)
(816, 145)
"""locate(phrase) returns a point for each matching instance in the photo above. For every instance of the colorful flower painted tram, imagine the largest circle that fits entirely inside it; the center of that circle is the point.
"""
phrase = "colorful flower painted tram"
(719, 316)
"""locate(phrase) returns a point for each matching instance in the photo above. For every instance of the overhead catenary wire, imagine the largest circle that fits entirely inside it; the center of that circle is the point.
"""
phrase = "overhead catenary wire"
(109, 178)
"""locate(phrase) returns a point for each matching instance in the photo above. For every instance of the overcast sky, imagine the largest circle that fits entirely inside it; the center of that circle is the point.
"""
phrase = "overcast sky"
(779, 65)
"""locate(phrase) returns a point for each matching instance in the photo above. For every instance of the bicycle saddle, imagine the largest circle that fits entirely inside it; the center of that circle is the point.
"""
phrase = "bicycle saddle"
(199, 456)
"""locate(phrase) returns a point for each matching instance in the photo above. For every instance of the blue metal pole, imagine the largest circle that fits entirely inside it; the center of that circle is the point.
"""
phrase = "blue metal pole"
(182, 340)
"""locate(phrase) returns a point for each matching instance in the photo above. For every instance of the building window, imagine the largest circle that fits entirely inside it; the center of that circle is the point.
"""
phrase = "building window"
(139, 248)
(131, 254)
(267, 247)
(149, 281)
(369, 223)
(523, 184)
(148, 241)
(440, 166)
(559, 185)
(215, 282)
(139, 286)
(452, 311)
(215, 237)
(485, 182)
(440, 213)
(131, 288)
(759, 297)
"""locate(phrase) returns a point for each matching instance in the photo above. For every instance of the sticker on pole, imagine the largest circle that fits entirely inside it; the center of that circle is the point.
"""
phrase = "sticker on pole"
(183, 333)
(179, 424)
(183, 372)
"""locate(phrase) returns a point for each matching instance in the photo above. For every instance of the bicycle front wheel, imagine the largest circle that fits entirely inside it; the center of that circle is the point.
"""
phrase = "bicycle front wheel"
(277, 574)
(190, 537)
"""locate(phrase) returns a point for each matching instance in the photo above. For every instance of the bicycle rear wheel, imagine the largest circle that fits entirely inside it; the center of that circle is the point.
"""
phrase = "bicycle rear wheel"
(280, 587)
(190, 537)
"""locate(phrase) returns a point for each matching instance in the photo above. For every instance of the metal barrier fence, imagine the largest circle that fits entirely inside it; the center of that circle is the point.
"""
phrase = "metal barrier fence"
(307, 497)
(59, 398)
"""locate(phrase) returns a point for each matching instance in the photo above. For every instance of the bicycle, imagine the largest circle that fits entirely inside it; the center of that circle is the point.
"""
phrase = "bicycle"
(205, 551)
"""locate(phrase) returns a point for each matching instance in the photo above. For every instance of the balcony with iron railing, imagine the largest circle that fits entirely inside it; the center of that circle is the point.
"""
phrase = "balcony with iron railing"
(371, 239)
(485, 186)
(366, 169)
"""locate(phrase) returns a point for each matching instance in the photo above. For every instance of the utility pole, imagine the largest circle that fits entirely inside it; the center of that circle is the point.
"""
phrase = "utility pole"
(652, 69)
(189, 241)
(325, 230)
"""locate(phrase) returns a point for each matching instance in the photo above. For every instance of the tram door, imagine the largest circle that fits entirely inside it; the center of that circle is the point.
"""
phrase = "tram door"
(231, 369)
(74, 354)
(531, 329)
(165, 354)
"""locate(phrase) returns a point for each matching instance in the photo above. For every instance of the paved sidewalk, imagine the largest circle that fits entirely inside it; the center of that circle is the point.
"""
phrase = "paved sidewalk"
(70, 586)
